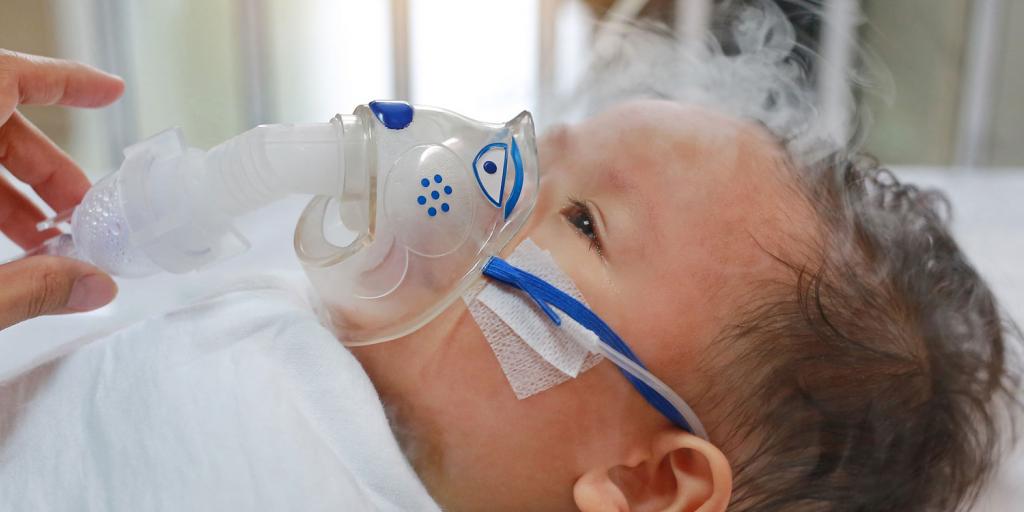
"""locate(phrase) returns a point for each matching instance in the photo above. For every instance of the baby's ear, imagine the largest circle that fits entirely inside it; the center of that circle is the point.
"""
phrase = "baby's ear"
(678, 472)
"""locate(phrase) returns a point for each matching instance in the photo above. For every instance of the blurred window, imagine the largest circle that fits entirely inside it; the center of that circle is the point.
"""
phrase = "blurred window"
(217, 67)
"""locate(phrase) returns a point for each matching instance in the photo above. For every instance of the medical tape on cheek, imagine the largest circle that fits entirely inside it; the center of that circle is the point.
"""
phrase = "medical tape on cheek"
(534, 353)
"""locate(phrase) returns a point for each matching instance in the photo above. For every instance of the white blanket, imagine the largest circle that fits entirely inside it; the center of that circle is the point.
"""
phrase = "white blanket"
(240, 402)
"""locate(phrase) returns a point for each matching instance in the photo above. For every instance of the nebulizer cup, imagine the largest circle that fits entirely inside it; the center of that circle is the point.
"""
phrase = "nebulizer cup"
(172, 208)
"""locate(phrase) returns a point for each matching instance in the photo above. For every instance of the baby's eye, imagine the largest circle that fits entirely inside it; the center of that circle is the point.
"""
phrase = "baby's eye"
(577, 213)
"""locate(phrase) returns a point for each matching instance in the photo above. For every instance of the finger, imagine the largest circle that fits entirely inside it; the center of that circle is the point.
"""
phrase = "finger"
(37, 161)
(43, 285)
(19, 216)
(29, 79)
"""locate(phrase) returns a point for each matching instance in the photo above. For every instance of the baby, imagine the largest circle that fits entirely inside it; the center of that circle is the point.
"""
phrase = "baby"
(813, 311)
(821, 322)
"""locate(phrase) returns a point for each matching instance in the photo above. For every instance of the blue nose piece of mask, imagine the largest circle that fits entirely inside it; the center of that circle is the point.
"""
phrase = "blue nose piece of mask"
(394, 115)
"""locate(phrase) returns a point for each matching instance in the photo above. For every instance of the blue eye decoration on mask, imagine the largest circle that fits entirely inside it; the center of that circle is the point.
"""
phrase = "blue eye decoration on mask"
(491, 169)
(517, 185)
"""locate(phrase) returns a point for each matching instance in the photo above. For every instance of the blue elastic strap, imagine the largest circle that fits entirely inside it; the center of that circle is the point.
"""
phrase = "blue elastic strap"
(546, 295)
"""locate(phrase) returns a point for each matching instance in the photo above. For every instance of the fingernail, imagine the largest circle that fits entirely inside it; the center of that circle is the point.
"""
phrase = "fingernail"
(90, 292)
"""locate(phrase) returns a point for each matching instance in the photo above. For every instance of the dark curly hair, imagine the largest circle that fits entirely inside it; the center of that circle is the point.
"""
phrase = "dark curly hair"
(874, 378)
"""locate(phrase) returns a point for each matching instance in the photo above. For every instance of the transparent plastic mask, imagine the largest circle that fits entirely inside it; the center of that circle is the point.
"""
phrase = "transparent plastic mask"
(441, 194)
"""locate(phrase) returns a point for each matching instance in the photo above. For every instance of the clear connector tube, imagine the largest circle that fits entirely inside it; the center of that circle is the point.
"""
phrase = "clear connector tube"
(637, 371)
(172, 208)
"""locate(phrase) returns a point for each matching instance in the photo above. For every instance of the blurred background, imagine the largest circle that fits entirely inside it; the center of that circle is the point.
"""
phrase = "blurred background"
(217, 67)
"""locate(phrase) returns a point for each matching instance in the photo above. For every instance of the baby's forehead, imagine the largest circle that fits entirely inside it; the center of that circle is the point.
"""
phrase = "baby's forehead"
(668, 119)
(703, 179)
(653, 135)
(662, 146)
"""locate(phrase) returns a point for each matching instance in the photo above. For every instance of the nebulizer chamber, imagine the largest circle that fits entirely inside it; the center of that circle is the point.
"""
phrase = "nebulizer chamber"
(171, 208)
(408, 204)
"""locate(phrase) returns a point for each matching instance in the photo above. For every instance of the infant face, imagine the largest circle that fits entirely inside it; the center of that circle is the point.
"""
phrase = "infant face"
(662, 215)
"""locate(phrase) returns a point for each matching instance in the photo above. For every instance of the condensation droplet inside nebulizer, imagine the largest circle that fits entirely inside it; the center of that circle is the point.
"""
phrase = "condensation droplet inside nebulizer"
(99, 224)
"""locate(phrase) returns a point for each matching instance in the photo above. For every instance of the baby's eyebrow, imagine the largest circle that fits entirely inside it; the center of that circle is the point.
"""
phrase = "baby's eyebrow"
(619, 178)
(620, 182)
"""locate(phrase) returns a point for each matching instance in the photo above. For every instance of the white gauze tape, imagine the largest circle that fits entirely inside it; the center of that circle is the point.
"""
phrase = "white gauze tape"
(534, 353)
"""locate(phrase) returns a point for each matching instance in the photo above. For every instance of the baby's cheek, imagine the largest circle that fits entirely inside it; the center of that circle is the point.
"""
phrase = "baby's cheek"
(544, 222)
(463, 373)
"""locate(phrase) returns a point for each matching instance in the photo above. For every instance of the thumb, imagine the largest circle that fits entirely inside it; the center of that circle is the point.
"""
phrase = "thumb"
(42, 285)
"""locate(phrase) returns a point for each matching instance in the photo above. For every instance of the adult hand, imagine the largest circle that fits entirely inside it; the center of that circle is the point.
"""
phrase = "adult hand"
(41, 285)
